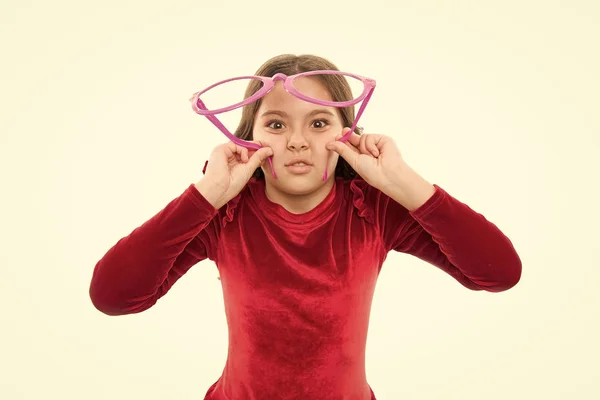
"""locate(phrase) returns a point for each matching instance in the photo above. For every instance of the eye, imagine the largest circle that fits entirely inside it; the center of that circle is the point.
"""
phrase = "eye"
(275, 124)
(321, 122)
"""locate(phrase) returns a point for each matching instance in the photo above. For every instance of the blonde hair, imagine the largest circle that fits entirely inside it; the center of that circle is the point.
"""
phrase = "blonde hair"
(290, 64)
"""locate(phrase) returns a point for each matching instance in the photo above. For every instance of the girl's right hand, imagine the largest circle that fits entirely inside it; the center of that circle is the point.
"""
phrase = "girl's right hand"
(229, 169)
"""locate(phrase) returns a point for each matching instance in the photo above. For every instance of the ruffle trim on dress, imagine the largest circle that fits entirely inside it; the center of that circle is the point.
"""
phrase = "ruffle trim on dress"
(358, 188)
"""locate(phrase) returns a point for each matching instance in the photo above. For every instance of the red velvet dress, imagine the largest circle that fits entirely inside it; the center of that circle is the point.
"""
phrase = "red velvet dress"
(298, 288)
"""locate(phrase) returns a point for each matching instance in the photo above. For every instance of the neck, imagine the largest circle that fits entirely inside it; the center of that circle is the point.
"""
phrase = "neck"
(299, 203)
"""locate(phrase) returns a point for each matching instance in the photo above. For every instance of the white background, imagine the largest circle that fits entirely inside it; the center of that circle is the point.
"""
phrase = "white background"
(497, 102)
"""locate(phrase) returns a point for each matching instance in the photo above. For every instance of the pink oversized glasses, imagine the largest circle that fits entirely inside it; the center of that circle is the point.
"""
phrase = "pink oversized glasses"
(268, 83)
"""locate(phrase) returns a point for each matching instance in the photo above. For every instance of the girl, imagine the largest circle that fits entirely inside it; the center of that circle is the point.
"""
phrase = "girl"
(298, 255)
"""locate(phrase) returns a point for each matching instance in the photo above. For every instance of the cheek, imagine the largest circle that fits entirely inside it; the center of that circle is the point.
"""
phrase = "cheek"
(257, 134)
(260, 135)
(333, 158)
(319, 142)
(324, 156)
(276, 142)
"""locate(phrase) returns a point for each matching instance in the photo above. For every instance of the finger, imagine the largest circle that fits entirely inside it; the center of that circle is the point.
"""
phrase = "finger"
(363, 144)
(371, 145)
(240, 151)
(354, 139)
(345, 150)
(229, 150)
(347, 143)
(259, 157)
(243, 152)
(352, 147)
(343, 133)
(253, 150)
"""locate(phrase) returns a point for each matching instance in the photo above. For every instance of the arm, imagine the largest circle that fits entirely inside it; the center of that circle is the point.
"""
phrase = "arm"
(141, 267)
(421, 219)
(425, 221)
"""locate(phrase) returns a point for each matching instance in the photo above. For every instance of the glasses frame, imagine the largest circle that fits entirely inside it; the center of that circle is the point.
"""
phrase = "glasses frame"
(288, 84)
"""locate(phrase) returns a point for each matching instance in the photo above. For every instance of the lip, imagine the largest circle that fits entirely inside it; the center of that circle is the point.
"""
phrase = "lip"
(298, 160)
(299, 169)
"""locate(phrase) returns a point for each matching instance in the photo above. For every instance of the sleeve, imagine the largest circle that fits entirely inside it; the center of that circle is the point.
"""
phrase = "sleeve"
(448, 234)
(142, 266)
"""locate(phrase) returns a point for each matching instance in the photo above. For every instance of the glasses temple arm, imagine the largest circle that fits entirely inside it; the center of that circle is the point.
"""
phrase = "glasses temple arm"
(200, 104)
(358, 115)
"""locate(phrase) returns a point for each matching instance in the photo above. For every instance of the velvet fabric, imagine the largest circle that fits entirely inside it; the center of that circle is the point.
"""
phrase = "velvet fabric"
(298, 288)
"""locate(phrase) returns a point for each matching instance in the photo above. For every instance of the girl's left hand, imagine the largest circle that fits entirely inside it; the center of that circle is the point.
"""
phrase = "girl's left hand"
(376, 158)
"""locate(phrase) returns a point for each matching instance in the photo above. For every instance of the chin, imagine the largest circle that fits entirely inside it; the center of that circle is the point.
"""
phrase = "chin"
(299, 185)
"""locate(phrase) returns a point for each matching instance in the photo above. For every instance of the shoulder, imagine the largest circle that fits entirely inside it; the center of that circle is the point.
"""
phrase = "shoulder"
(248, 194)
(367, 200)
(372, 203)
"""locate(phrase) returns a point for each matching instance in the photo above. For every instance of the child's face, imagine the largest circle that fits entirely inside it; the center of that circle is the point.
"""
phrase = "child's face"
(296, 129)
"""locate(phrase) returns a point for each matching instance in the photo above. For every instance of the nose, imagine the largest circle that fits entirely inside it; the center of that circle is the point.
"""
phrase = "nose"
(297, 141)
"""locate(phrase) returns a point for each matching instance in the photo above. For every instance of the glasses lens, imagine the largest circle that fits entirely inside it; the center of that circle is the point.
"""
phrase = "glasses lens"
(228, 93)
(314, 86)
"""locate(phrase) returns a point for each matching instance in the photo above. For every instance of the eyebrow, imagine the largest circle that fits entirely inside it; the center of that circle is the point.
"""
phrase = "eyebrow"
(310, 114)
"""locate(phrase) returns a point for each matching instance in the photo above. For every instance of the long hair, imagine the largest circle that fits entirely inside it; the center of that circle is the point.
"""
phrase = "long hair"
(290, 64)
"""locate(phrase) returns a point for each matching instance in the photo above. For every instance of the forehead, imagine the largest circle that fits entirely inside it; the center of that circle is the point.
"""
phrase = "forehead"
(309, 86)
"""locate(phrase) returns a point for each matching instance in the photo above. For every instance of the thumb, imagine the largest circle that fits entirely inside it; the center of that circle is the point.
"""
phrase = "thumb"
(343, 150)
(259, 157)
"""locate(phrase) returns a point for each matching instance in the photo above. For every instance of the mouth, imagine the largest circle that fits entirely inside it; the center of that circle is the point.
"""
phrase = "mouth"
(299, 167)
(298, 163)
